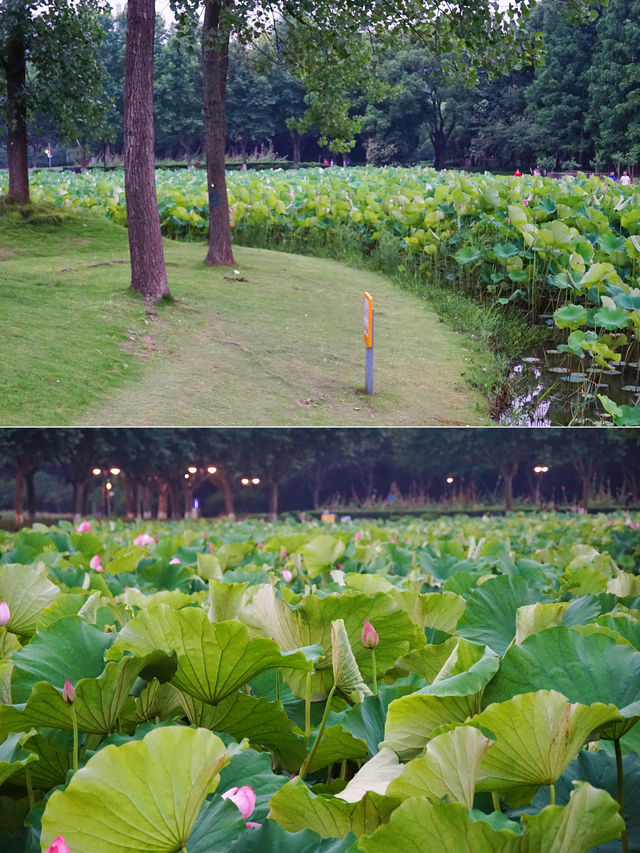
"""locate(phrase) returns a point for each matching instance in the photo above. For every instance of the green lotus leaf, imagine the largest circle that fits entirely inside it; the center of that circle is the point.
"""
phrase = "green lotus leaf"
(310, 622)
(468, 255)
(225, 599)
(590, 818)
(295, 807)
(612, 318)
(142, 796)
(439, 610)
(321, 552)
(68, 649)
(54, 759)
(570, 316)
(155, 701)
(6, 669)
(270, 837)
(537, 735)
(449, 768)
(346, 675)
(428, 662)
(9, 644)
(217, 826)
(98, 704)
(375, 775)
(124, 561)
(214, 660)
(624, 625)
(366, 719)
(412, 719)
(28, 593)
(585, 669)
(490, 616)
(14, 756)
(420, 825)
(597, 273)
(532, 618)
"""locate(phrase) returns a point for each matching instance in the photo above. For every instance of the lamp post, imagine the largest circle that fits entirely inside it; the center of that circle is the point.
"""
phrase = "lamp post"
(107, 486)
(193, 477)
(539, 469)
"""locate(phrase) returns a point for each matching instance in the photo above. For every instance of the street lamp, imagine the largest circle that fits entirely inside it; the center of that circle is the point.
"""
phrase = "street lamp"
(196, 475)
(49, 154)
(539, 469)
(107, 486)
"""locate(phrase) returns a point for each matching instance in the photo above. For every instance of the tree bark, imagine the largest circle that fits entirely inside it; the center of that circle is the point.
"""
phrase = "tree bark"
(296, 144)
(227, 494)
(148, 272)
(19, 492)
(215, 62)
(31, 494)
(16, 73)
(273, 500)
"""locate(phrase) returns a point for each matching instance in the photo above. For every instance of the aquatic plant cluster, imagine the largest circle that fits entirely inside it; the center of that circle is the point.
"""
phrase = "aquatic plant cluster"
(472, 683)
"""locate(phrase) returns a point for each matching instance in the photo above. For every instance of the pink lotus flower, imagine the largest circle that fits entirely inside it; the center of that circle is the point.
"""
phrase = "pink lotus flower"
(244, 798)
(283, 554)
(369, 636)
(174, 561)
(210, 547)
(358, 535)
(58, 846)
(287, 576)
(83, 527)
(5, 613)
(95, 563)
(68, 692)
(339, 565)
(144, 539)
(393, 541)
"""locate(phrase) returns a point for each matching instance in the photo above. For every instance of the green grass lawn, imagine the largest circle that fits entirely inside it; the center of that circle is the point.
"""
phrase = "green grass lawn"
(279, 343)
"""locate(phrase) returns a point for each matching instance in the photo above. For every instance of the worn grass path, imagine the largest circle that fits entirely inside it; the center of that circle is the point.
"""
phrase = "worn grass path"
(279, 343)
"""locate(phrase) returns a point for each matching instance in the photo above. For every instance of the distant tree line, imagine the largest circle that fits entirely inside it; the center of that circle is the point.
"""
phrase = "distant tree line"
(161, 471)
(577, 110)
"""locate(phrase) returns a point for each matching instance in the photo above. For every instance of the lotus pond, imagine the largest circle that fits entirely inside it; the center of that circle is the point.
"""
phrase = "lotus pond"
(460, 684)
(569, 248)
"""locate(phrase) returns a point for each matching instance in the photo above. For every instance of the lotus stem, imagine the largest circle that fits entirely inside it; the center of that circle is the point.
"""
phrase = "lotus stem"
(496, 802)
(316, 743)
(74, 721)
(375, 674)
(624, 841)
(552, 794)
(307, 706)
(277, 672)
(27, 776)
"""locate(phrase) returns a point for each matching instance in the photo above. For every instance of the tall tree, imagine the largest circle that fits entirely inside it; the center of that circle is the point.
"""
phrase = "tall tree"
(56, 40)
(148, 271)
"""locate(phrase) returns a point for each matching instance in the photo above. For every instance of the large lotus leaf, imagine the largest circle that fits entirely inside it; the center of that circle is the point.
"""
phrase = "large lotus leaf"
(585, 669)
(214, 660)
(375, 776)
(270, 837)
(6, 668)
(537, 736)
(155, 700)
(68, 649)
(428, 663)
(142, 796)
(98, 702)
(14, 756)
(55, 758)
(366, 719)
(310, 622)
(262, 722)
(225, 599)
(346, 675)
(412, 719)
(295, 807)
(625, 626)
(9, 644)
(253, 768)
(320, 553)
(418, 825)
(490, 616)
(532, 618)
(590, 818)
(439, 610)
(449, 768)
(217, 826)
(27, 592)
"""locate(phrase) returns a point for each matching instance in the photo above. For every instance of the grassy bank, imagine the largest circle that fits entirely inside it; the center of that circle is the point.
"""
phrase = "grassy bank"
(279, 342)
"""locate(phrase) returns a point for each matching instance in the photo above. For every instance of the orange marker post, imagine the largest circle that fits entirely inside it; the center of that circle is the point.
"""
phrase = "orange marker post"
(367, 335)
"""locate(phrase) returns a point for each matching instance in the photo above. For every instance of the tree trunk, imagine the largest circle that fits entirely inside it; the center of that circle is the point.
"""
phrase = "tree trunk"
(163, 502)
(227, 494)
(31, 495)
(273, 500)
(215, 61)
(296, 144)
(16, 74)
(148, 273)
(19, 492)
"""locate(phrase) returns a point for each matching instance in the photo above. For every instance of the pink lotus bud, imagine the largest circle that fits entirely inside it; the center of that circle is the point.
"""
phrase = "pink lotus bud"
(258, 544)
(210, 548)
(144, 539)
(244, 798)
(58, 846)
(68, 692)
(283, 554)
(5, 613)
(393, 541)
(358, 535)
(95, 563)
(174, 561)
(369, 636)
(339, 565)
(287, 576)
(83, 527)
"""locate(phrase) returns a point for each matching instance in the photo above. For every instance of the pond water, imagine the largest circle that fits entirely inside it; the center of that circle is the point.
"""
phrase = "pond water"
(553, 388)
